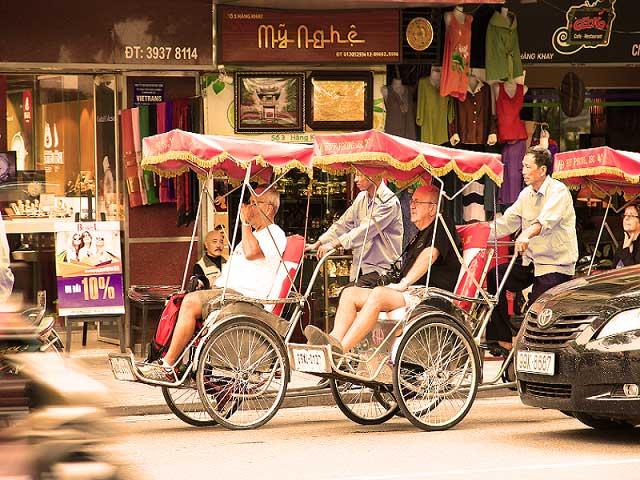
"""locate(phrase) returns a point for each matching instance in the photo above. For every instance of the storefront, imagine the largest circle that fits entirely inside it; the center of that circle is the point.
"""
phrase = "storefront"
(63, 87)
(286, 74)
(582, 71)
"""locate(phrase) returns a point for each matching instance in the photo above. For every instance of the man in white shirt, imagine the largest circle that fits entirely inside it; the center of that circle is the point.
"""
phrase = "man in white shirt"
(384, 235)
(250, 271)
(548, 243)
(6, 276)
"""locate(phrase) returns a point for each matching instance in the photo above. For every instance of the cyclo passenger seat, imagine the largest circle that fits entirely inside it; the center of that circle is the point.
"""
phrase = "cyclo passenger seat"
(292, 259)
(477, 253)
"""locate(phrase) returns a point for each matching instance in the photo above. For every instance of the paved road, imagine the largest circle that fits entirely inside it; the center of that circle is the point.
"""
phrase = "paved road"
(500, 438)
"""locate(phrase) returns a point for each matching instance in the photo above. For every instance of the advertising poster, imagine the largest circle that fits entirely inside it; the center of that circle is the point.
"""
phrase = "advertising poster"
(89, 268)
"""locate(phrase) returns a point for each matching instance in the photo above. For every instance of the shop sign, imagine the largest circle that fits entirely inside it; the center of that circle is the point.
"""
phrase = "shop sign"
(89, 268)
(247, 35)
(574, 31)
(120, 32)
(148, 93)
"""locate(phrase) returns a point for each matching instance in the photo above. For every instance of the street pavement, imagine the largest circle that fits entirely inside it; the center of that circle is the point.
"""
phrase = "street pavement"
(500, 438)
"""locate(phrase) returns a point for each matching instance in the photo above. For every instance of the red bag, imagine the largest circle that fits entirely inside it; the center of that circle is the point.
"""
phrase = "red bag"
(166, 325)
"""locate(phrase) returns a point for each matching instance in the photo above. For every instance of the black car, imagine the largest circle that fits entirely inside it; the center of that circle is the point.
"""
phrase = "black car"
(578, 350)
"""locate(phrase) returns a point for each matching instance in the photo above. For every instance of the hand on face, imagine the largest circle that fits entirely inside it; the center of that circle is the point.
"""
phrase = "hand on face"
(245, 213)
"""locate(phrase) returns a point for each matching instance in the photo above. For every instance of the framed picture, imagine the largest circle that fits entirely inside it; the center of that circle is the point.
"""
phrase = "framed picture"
(269, 102)
(340, 100)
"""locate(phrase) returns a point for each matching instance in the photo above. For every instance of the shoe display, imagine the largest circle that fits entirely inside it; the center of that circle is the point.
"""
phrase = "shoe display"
(158, 370)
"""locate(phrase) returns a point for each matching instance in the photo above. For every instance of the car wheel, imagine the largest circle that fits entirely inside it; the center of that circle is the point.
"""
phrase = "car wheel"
(600, 423)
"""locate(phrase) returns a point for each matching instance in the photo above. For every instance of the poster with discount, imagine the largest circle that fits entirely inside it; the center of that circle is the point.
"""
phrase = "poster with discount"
(89, 268)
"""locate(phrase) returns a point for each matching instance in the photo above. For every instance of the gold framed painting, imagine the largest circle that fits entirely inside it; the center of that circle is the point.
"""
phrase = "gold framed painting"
(269, 102)
(340, 100)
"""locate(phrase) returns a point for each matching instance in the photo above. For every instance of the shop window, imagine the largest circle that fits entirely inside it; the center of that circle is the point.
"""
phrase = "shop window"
(58, 143)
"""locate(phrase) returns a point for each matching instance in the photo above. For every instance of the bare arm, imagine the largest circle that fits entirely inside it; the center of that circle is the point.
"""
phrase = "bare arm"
(422, 264)
(250, 244)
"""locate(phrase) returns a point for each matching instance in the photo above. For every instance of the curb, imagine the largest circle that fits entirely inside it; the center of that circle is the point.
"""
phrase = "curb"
(290, 401)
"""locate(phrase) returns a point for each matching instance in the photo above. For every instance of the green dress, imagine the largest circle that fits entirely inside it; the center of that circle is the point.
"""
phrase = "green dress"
(433, 113)
(503, 48)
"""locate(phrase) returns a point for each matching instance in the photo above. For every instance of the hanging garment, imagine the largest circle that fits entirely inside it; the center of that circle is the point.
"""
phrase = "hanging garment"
(503, 48)
(161, 127)
(129, 157)
(163, 124)
(400, 119)
(149, 178)
(456, 60)
(180, 119)
(512, 155)
(433, 113)
(481, 17)
(473, 203)
(510, 127)
(473, 120)
(135, 125)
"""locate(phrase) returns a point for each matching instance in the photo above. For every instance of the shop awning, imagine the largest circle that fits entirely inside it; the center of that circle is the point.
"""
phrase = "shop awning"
(599, 171)
(377, 154)
(175, 152)
(349, 4)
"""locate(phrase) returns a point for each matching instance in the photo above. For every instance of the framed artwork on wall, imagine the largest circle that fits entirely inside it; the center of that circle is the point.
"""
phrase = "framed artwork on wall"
(340, 100)
(269, 102)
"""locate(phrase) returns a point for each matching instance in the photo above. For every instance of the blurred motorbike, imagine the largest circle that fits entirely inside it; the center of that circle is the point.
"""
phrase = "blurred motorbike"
(54, 425)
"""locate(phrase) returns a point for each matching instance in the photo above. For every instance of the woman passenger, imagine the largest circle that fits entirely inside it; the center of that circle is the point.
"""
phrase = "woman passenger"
(629, 254)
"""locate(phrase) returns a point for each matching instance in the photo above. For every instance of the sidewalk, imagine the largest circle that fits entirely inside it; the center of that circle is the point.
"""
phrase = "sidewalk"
(130, 398)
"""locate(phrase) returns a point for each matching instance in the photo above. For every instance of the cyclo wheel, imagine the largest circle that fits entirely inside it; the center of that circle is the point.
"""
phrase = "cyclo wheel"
(242, 374)
(363, 404)
(436, 373)
(185, 404)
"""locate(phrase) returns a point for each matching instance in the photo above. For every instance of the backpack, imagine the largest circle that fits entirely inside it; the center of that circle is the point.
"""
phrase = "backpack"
(162, 339)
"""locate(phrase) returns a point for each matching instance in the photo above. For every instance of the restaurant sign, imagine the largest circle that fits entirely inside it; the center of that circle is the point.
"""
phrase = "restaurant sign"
(579, 31)
(247, 35)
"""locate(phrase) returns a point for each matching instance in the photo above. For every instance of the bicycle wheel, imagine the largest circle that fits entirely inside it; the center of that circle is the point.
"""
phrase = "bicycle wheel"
(243, 374)
(436, 374)
(185, 404)
(362, 404)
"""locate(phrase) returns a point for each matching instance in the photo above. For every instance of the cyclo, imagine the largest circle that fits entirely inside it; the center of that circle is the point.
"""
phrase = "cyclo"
(425, 362)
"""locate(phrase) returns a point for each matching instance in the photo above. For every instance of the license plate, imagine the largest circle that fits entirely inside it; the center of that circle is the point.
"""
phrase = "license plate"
(311, 360)
(122, 369)
(543, 363)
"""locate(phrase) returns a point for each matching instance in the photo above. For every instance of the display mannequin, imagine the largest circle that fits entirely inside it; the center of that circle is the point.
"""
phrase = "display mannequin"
(400, 108)
(433, 110)
(435, 76)
(474, 116)
(456, 60)
(457, 12)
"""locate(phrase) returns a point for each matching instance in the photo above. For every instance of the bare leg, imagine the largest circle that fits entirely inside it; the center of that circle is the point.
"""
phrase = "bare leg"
(351, 301)
(190, 311)
(381, 299)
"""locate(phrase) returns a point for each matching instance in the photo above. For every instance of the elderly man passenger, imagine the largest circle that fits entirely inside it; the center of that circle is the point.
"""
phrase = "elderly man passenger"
(359, 308)
(384, 235)
(547, 242)
(250, 271)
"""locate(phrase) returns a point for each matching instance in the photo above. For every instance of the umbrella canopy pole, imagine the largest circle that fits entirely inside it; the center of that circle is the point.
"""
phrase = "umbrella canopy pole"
(366, 232)
(247, 179)
(203, 192)
(595, 250)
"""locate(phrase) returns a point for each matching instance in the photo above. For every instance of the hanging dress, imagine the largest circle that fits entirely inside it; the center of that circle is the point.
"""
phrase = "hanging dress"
(510, 127)
(457, 57)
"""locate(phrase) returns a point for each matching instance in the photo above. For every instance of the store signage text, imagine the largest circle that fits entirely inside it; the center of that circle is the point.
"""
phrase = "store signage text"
(588, 26)
(160, 54)
(269, 36)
